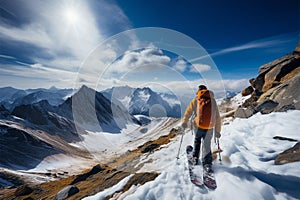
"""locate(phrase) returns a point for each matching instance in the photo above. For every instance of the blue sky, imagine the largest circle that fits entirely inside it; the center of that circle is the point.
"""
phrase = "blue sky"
(46, 43)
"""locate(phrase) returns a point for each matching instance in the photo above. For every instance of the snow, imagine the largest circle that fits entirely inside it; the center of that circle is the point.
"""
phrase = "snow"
(103, 145)
(238, 100)
(249, 145)
(110, 191)
(172, 100)
(62, 162)
(144, 95)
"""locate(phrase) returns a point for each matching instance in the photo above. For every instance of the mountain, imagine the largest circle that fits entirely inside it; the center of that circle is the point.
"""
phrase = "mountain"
(276, 88)
(54, 98)
(24, 147)
(93, 111)
(45, 117)
(9, 94)
(33, 132)
(144, 101)
(11, 97)
(4, 113)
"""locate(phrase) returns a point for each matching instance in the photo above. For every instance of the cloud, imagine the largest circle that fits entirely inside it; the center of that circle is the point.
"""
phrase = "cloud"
(262, 43)
(198, 68)
(180, 65)
(7, 57)
(146, 59)
(62, 43)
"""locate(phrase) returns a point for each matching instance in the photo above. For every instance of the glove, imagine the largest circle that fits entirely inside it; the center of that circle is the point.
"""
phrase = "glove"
(184, 125)
(217, 134)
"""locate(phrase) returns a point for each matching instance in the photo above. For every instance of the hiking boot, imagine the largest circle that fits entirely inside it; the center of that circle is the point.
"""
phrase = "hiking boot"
(208, 168)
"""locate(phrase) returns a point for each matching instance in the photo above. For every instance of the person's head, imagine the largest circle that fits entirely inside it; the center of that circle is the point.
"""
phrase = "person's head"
(202, 87)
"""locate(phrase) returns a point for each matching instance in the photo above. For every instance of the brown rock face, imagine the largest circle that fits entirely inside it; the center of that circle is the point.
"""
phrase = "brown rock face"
(277, 82)
(281, 72)
(290, 155)
(247, 91)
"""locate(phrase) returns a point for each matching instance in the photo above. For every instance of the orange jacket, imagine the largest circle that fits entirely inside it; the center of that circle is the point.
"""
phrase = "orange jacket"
(192, 109)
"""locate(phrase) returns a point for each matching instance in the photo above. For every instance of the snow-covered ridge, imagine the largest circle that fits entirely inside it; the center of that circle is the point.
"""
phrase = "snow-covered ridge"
(251, 174)
(140, 101)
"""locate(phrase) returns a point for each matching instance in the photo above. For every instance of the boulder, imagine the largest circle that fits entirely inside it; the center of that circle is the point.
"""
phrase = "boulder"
(82, 177)
(267, 67)
(289, 155)
(247, 91)
(252, 101)
(287, 95)
(275, 87)
(244, 112)
(259, 82)
(278, 73)
(67, 192)
(266, 107)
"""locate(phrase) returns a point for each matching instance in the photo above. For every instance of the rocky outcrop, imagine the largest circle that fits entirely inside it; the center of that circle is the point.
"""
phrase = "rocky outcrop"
(247, 91)
(275, 87)
(286, 95)
(289, 155)
(67, 192)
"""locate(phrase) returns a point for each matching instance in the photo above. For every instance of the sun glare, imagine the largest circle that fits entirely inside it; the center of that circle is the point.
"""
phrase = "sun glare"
(71, 16)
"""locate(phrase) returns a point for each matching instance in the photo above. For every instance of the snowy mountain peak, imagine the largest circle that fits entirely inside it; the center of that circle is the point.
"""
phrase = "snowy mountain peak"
(139, 101)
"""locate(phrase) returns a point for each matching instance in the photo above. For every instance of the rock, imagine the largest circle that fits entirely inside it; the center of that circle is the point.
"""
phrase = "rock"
(150, 148)
(278, 72)
(67, 192)
(275, 87)
(259, 82)
(244, 112)
(289, 155)
(23, 190)
(290, 75)
(267, 107)
(284, 138)
(287, 95)
(252, 101)
(251, 81)
(82, 177)
(247, 91)
(267, 67)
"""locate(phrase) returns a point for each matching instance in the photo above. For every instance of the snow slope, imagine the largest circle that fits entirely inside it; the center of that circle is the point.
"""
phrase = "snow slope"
(250, 175)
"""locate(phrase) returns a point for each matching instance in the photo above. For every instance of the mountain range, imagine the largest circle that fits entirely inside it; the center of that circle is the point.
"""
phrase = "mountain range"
(35, 130)
(11, 97)
(144, 101)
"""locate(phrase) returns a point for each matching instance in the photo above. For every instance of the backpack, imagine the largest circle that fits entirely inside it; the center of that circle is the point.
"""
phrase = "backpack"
(206, 110)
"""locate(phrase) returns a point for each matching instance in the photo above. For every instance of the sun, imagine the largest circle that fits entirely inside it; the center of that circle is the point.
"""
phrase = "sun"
(71, 16)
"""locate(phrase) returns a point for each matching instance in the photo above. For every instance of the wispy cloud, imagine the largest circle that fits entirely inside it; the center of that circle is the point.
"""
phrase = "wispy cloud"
(7, 57)
(262, 43)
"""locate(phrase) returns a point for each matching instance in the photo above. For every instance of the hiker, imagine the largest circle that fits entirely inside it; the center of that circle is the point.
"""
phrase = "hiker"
(206, 118)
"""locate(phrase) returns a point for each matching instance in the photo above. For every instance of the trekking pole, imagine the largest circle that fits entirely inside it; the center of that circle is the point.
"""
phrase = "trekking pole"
(219, 149)
(180, 144)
